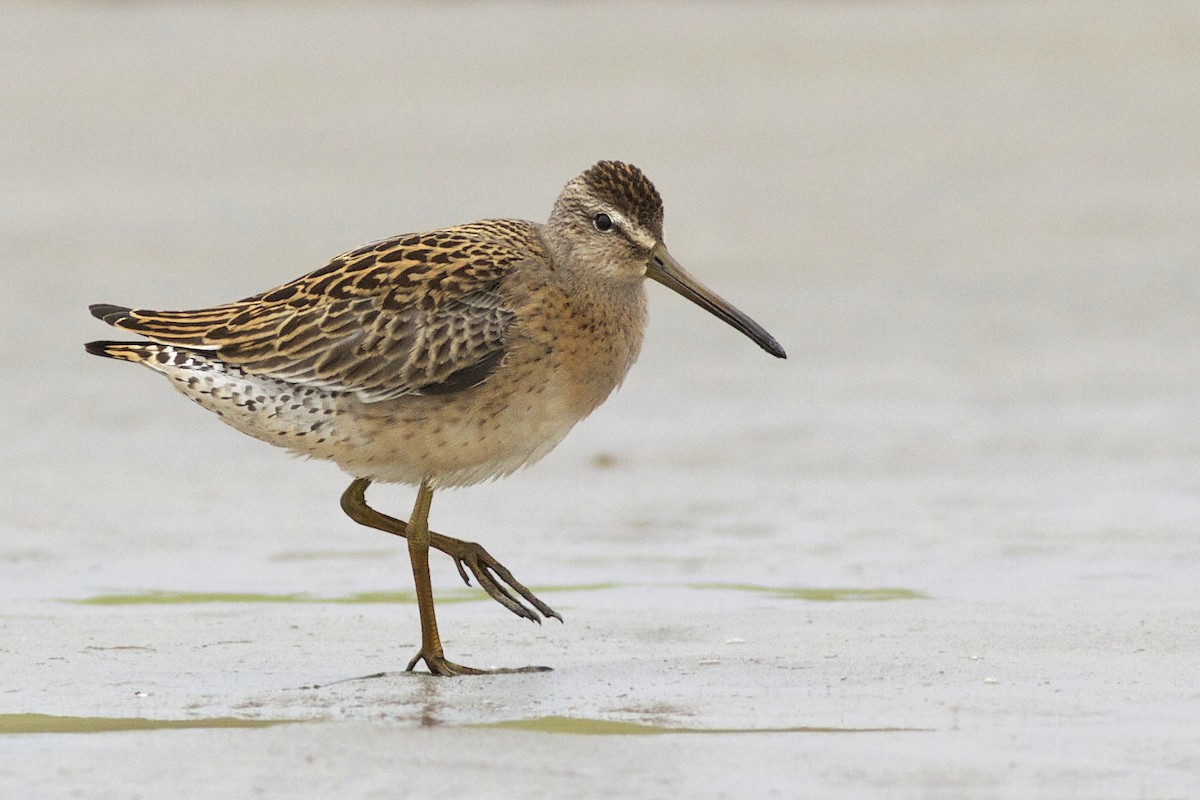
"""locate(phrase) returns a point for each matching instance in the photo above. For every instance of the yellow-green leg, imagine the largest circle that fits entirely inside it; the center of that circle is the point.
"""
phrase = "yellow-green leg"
(420, 538)
(418, 552)
(493, 577)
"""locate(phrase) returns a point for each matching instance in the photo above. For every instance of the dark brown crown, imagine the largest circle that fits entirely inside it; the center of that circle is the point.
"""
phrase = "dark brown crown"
(627, 189)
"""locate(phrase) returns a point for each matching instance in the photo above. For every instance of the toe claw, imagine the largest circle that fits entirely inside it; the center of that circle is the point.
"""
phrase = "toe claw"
(458, 562)
(494, 578)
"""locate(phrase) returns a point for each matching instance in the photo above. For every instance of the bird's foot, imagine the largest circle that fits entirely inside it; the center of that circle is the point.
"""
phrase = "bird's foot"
(493, 577)
(491, 574)
(439, 665)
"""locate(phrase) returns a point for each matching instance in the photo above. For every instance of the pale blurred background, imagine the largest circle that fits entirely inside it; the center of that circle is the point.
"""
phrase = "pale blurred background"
(972, 225)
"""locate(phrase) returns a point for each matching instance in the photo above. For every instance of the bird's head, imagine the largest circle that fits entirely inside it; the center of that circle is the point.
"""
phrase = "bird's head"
(607, 227)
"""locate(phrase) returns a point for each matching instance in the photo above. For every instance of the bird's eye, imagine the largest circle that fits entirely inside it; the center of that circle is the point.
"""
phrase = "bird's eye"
(603, 222)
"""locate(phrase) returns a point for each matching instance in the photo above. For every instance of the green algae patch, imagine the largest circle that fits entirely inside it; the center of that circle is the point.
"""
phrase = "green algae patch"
(161, 597)
(567, 588)
(472, 595)
(157, 598)
(820, 595)
(48, 723)
(575, 725)
(602, 727)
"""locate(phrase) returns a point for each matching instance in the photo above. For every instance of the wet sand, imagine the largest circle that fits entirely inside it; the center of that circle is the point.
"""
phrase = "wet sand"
(948, 549)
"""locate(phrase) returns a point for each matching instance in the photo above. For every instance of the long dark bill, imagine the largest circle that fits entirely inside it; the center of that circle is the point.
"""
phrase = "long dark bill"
(667, 271)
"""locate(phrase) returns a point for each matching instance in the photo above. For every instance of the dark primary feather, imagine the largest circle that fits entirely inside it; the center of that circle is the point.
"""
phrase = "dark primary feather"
(422, 313)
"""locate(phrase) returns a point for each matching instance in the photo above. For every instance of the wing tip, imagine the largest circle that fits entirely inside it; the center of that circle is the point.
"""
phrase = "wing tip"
(97, 348)
(107, 312)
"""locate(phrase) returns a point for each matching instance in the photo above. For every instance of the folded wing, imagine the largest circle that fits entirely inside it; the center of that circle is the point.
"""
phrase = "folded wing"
(419, 314)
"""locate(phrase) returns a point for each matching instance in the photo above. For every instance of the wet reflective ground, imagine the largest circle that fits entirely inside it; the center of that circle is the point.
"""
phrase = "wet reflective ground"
(948, 549)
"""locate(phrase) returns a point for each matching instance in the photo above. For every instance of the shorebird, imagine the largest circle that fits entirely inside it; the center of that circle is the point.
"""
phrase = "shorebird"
(437, 359)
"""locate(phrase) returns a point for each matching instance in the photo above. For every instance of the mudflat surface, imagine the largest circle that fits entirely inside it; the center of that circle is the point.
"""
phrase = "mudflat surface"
(948, 549)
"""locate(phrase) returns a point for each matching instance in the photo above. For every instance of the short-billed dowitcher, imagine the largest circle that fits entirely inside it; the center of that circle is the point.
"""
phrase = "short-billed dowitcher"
(437, 359)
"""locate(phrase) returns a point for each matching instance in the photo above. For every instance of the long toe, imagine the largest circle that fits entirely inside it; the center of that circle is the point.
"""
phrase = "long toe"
(493, 577)
(439, 665)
